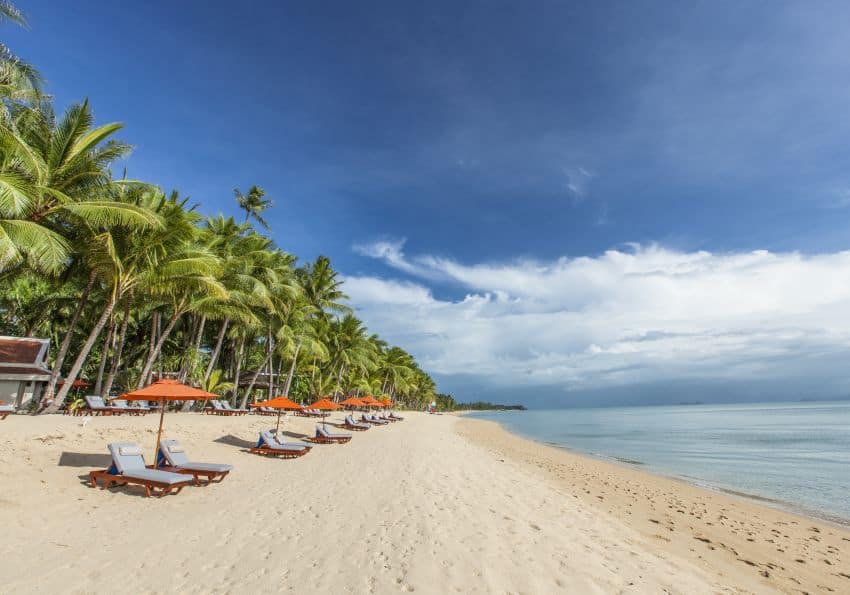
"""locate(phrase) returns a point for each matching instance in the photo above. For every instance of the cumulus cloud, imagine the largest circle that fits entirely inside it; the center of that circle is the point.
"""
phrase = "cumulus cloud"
(641, 315)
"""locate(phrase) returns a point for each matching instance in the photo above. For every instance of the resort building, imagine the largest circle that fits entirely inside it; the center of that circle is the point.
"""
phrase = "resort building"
(23, 370)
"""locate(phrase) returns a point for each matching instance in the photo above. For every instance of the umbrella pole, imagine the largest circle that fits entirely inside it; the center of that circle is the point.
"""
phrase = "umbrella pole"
(159, 432)
(277, 429)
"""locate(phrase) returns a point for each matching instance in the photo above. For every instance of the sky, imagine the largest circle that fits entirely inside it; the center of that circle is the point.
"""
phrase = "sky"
(554, 203)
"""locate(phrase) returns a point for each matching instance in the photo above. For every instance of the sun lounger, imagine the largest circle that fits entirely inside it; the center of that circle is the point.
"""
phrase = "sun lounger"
(122, 406)
(219, 409)
(6, 410)
(371, 419)
(128, 467)
(350, 424)
(233, 411)
(394, 417)
(283, 442)
(171, 457)
(268, 445)
(96, 406)
(324, 437)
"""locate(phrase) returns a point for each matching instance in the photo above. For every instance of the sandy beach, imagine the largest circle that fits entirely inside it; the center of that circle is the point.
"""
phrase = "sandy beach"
(434, 504)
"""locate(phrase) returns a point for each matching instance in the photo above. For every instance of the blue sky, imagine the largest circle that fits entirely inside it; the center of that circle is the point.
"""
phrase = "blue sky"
(436, 151)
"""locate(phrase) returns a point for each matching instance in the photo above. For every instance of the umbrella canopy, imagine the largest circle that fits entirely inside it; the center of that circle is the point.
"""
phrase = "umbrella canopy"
(324, 405)
(167, 390)
(352, 401)
(279, 403)
(370, 401)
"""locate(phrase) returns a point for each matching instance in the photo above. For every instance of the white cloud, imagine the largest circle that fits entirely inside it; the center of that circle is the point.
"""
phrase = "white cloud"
(645, 315)
(578, 179)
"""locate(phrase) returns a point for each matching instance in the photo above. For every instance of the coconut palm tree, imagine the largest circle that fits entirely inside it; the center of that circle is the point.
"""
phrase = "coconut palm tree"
(253, 204)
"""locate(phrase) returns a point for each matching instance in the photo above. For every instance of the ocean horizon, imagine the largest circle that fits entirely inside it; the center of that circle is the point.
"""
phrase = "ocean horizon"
(791, 455)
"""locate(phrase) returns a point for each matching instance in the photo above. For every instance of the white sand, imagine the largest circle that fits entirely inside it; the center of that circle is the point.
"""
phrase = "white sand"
(415, 506)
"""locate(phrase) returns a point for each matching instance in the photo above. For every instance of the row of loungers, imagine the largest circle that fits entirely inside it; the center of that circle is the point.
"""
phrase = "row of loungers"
(95, 406)
(216, 407)
(173, 470)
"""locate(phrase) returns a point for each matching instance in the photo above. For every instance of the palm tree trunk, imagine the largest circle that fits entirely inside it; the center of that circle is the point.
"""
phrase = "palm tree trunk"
(159, 334)
(254, 380)
(107, 345)
(158, 348)
(151, 343)
(276, 390)
(119, 348)
(217, 350)
(66, 342)
(339, 381)
(238, 362)
(81, 357)
(291, 370)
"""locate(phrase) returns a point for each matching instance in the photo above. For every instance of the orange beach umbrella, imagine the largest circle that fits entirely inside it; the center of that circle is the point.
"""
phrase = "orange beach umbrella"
(281, 404)
(167, 390)
(324, 405)
(370, 401)
(352, 402)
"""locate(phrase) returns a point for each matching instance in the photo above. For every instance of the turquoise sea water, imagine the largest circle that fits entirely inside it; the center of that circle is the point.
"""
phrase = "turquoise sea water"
(796, 454)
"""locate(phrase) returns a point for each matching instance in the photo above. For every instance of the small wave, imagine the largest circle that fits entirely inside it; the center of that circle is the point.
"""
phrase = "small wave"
(629, 461)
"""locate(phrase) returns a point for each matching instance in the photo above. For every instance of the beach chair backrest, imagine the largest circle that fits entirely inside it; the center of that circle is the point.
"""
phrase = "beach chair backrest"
(120, 404)
(127, 456)
(322, 431)
(268, 438)
(226, 406)
(95, 402)
(173, 453)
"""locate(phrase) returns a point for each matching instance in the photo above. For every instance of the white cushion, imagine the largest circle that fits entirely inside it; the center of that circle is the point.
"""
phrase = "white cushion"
(130, 451)
(174, 448)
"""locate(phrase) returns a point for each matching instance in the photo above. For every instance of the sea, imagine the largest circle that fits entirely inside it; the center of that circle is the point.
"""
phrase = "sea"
(790, 455)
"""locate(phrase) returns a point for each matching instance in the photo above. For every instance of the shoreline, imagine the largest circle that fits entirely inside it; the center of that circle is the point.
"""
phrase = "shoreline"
(726, 534)
(799, 510)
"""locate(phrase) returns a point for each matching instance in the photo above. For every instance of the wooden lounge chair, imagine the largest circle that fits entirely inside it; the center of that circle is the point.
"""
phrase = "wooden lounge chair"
(371, 419)
(219, 409)
(6, 410)
(171, 457)
(232, 411)
(96, 406)
(394, 417)
(385, 417)
(269, 445)
(128, 468)
(350, 424)
(122, 406)
(324, 437)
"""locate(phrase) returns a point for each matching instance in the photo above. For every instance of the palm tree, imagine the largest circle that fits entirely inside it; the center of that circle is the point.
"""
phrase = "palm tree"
(54, 174)
(19, 81)
(253, 204)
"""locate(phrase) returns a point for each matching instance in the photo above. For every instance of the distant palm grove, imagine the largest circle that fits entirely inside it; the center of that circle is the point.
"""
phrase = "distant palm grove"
(129, 282)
